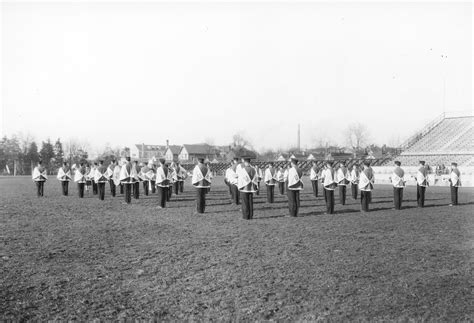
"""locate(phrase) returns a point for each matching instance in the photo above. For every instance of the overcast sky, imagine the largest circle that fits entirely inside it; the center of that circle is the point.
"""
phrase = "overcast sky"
(131, 73)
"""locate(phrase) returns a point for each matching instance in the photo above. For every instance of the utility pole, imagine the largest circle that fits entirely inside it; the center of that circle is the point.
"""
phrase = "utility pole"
(299, 147)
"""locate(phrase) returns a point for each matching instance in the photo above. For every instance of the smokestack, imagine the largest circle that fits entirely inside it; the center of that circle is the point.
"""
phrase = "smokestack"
(167, 143)
(299, 148)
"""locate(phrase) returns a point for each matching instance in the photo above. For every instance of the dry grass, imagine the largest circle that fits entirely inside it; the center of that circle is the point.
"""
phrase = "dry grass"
(65, 258)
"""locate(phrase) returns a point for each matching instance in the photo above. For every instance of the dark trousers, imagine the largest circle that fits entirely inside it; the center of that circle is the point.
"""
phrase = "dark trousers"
(162, 195)
(354, 188)
(176, 187)
(454, 195)
(136, 190)
(201, 200)
(121, 188)
(314, 184)
(39, 188)
(145, 187)
(101, 190)
(398, 197)
(258, 188)
(281, 187)
(294, 202)
(128, 193)
(324, 194)
(80, 189)
(65, 187)
(247, 205)
(270, 193)
(329, 197)
(94, 187)
(365, 200)
(153, 187)
(420, 195)
(235, 195)
(181, 186)
(112, 187)
(169, 192)
(226, 182)
(342, 194)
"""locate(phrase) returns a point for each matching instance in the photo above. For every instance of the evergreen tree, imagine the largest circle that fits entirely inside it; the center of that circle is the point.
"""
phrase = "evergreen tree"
(58, 153)
(47, 153)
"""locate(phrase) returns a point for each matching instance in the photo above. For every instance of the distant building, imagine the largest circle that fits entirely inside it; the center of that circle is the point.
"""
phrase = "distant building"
(172, 152)
(146, 152)
(190, 153)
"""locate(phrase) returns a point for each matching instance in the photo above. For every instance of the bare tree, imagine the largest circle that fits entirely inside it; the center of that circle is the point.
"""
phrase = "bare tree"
(239, 140)
(209, 141)
(356, 135)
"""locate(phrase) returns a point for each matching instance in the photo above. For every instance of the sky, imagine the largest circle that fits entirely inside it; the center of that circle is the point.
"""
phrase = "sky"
(125, 73)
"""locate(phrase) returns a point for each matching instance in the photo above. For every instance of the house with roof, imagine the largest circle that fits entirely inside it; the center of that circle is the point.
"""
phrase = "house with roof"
(145, 152)
(172, 152)
(190, 153)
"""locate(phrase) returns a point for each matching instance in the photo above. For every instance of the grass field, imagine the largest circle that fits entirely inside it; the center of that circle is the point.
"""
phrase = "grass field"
(71, 259)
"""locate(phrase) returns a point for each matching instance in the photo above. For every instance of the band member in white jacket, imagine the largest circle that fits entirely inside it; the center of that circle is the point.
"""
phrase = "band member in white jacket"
(421, 183)
(343, 179)
(101, 177)
(355, 173)
(295, 185)
(398, 182)
(314, 176)
(328, 177)
(64, 176)
(247, 183)
(366, 185)
(40, 177)
(281, 179)
(455, 183)
(270, 181)
(232, 178)
(201, 180)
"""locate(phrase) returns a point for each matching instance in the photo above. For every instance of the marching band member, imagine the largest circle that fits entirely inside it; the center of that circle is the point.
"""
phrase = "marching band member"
(163, 179)
(116, 177)
(136, 183)
(39, 177)
(398, 183)
(281, 180)
(247, 183)
(88, 178)
(101, 177)
(92, 177)
(328, 178)
(80, 179)
(259, 178)
(421, 184)
(313, 176)
(270, 181)
(355, 180)
(295, 185)
(128, 178)
(152, 176)
(454, 183)
(342, 178)
(145, 175)
(201, 180)
(64, 176)
(181, 176)
(227, 174)
(173, 179)
(208, 165)
(110, 175)
(233, 179)
(366, 184)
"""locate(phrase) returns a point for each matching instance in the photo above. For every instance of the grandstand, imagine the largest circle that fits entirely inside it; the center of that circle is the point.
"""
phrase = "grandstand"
(444, 140)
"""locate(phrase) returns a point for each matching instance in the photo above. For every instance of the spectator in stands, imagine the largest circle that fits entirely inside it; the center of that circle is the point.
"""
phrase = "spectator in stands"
(398, 182)
(455, 183)
(421, 183)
